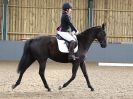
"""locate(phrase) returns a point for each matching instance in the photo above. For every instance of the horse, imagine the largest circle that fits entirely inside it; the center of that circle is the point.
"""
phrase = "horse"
(43, 47)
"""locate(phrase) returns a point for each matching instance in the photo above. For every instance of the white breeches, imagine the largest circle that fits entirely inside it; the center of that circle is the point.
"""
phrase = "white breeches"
(67, 36)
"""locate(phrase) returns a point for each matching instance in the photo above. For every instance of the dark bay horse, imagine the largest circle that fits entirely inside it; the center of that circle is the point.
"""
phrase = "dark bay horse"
(44, 47)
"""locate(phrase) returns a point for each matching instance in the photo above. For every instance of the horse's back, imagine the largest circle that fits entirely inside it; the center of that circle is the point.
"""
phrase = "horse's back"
(41, 44)
(42, 40)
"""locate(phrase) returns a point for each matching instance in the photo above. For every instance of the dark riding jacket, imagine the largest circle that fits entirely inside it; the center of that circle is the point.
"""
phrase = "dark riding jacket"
(66, 24)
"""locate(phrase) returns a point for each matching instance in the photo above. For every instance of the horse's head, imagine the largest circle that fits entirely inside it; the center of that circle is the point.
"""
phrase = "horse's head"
(101, 36)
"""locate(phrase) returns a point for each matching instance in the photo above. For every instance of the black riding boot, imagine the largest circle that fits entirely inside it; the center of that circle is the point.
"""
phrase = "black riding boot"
(71, 55)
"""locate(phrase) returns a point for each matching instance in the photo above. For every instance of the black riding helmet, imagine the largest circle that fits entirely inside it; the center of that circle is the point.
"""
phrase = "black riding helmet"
(66, 6)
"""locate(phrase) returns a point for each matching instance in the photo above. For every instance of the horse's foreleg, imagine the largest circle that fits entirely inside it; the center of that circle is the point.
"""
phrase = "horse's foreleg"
(42, 72)
(74, 71)
(83, 68)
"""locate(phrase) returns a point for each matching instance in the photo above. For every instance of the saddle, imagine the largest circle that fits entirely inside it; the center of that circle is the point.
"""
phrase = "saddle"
(63, 45)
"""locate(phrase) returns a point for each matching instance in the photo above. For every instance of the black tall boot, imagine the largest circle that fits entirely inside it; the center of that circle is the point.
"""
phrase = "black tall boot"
(71, 55)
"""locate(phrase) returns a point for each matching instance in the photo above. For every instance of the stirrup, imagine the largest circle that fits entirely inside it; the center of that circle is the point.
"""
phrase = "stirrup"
(72, 57)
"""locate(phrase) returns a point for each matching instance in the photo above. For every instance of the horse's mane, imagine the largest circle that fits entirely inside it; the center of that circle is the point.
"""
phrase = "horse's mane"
(88, 31)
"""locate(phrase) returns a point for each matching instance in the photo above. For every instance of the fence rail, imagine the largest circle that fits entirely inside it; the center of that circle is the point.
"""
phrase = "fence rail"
(21, 36)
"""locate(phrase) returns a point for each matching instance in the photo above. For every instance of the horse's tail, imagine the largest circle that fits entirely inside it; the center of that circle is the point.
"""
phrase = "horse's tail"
(26, 60)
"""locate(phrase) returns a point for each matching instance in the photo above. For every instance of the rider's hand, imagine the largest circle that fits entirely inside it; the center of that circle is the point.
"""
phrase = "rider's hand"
(73, 32)
(77, 32)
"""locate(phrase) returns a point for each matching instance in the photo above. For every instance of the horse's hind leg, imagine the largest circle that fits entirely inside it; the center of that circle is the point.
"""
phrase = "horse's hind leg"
(42, 72)
(83, 68)
(18, 81)
(23, 65)
(74, 71)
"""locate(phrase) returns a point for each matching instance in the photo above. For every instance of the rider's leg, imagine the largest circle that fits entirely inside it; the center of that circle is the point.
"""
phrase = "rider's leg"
(72, 45)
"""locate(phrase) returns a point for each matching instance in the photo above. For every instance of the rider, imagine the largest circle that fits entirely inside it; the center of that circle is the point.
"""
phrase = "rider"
(66, 30)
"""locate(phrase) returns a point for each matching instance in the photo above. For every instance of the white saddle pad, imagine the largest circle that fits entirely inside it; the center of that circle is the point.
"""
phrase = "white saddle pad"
(63, 47)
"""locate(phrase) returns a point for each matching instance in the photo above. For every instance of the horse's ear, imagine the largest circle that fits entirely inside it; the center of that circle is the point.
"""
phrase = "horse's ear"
(103, 26)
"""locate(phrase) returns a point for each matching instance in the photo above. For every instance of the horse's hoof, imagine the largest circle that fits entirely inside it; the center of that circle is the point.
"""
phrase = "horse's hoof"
(50, 90)
(13, 87)
(92, 89)
(60, 87)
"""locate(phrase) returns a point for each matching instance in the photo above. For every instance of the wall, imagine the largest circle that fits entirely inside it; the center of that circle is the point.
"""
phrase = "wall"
(12, 50)
(118, 15)
(28, 18)
(113, 53)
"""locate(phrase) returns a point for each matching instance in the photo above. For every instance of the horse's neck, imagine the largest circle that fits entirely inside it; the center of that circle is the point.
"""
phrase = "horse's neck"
(86, 41)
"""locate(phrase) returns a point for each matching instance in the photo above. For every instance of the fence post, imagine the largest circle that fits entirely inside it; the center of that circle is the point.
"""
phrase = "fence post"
(90, 13)
(4, 19)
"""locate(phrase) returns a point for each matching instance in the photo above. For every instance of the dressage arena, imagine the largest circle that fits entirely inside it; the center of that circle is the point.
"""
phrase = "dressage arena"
(109, 82)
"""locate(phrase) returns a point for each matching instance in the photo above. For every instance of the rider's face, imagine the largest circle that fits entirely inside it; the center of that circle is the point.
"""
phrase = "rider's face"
(69, 11)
